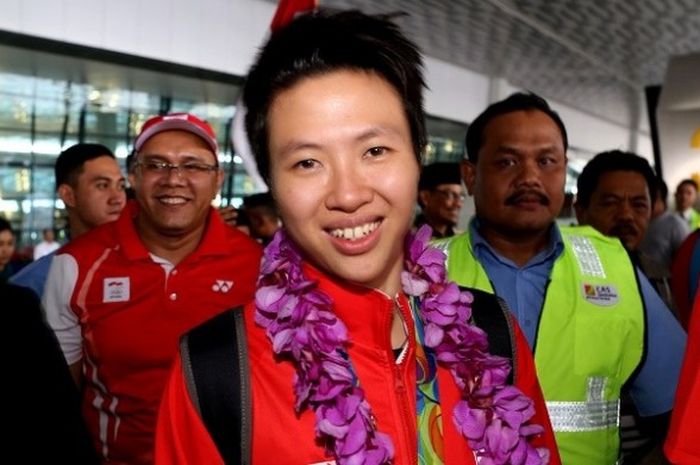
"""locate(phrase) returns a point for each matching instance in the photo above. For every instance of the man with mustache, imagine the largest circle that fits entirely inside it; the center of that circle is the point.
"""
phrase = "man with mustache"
(686, 195)
(615, 192)
(593, 322)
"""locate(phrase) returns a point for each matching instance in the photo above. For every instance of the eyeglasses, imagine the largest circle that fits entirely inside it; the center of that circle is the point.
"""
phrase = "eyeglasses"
(189, 169)
(451, 196)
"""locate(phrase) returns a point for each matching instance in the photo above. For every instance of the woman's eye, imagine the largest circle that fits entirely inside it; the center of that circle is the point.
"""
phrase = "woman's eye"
(306, 164)
(377, 151)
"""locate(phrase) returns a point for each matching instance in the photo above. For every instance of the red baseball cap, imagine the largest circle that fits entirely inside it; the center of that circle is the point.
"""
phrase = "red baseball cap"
(177, 121)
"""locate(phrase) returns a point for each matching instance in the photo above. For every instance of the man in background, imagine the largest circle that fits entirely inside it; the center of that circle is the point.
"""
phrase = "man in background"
(615, 192)
(91, 186)
(47, 245)
(667, 230)
(440, 196)
(263, 220)
(7, 250)
(614, 195)
(686, 195)
(119, 297)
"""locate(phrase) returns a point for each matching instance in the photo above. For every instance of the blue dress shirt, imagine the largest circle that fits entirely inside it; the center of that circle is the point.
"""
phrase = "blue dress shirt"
(523, 288)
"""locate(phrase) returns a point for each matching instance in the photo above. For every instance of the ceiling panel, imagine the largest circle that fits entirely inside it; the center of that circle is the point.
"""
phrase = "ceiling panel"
(594, 55)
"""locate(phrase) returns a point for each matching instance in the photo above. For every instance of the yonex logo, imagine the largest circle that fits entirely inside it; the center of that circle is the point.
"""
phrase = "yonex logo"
(222, 286)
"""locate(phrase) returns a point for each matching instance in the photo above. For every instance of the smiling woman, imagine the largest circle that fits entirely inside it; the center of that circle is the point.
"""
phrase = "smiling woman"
(346, 194)
(354, 325)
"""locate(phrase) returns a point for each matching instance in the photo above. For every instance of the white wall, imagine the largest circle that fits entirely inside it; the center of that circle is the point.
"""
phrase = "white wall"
(221, 35)
(454, 93)
(678, 117)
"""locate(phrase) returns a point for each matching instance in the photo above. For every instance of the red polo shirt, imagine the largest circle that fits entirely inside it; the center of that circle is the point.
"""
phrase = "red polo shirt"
(122, 311)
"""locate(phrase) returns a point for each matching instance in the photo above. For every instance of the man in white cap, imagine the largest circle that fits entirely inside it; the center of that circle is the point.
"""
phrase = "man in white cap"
(119, 297)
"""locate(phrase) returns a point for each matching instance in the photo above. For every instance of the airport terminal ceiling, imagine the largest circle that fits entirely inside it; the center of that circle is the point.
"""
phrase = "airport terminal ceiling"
(596, 56)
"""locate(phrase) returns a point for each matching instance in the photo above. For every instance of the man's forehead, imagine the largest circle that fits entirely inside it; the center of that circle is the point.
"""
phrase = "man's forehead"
(622, 180)
(516, 126)
(101, 167)
(451, 186)
(176, 139)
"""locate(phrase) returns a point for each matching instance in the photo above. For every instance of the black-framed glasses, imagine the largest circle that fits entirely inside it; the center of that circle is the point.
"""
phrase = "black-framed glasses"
(189, 169)
(451, 196)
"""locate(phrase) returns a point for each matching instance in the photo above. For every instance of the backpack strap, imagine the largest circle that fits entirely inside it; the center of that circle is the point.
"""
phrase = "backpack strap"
(215, 365)
(491, 314)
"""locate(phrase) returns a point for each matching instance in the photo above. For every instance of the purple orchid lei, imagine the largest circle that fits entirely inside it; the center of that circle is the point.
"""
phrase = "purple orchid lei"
(302, 327)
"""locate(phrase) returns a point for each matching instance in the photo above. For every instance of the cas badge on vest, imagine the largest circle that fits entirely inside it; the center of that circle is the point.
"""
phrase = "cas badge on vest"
(116, 289)
(603, 295)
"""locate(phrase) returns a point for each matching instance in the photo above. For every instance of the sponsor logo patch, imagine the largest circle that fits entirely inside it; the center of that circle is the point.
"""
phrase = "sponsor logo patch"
(116, 289)
(222, 286)
(603, 295)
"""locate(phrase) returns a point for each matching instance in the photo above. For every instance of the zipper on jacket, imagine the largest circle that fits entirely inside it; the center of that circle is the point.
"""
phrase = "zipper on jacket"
(406, 418)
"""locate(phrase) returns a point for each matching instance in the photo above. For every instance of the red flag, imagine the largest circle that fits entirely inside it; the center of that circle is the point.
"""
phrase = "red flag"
(286, 11)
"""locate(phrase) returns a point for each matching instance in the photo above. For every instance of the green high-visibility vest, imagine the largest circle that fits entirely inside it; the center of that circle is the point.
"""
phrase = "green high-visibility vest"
(694, 220)
(589, 341)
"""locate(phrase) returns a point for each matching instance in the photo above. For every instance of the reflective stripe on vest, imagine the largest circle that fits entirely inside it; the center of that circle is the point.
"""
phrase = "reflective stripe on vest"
(595, 413)
(574, 417)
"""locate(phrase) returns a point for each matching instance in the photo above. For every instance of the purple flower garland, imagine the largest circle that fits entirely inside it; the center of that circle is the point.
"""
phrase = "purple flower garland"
(302, 327)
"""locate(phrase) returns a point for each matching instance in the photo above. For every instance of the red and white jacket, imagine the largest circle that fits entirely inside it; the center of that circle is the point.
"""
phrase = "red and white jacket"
(280, 436)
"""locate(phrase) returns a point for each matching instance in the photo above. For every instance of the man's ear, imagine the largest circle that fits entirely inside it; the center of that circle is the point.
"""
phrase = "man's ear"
(423, 197)
(468, 175)
(580, 213)
(219, 180)
(131, 177)
(67, 195)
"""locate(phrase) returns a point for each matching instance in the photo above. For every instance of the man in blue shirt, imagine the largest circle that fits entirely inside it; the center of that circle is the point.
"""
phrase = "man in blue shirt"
(516, 171)
(91, 185)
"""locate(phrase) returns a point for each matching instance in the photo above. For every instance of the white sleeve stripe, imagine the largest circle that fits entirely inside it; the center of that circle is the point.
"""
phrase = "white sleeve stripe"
(60, 283)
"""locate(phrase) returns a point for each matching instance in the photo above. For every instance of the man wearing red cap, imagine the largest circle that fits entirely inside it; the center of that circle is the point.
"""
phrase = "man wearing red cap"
(119, 297)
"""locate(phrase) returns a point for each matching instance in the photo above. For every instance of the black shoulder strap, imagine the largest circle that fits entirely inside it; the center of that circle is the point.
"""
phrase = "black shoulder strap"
(490, 313)
(215, 365)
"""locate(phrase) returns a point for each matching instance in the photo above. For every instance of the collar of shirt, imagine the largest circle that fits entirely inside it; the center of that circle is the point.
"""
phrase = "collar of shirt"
(481, 247)
(523, 288)
(687, 214)
(214, 241)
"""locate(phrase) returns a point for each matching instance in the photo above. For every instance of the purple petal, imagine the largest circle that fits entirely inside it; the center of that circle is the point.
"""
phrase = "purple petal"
(470, 422)
(433, 335)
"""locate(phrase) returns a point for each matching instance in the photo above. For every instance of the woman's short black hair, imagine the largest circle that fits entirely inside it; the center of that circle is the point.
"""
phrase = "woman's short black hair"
(325, 41)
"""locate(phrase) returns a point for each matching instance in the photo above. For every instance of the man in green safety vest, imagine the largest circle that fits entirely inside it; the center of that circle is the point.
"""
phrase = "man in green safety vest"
(593, 321)
(686, 195)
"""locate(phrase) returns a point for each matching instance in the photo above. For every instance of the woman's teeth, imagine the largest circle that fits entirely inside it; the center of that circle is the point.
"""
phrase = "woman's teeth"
(350, 234)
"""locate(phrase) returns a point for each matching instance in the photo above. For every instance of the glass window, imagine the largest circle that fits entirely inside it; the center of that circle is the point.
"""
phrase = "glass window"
(445, 140)
(42, 114)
